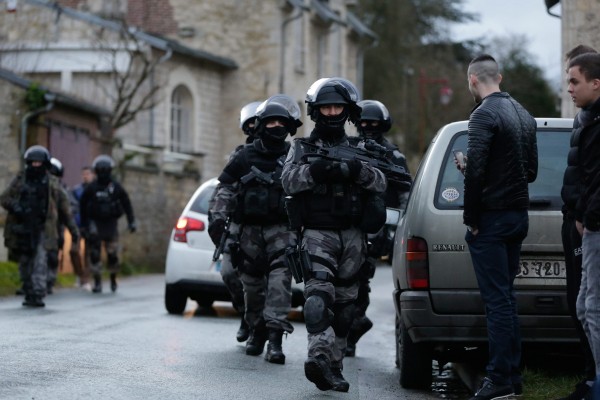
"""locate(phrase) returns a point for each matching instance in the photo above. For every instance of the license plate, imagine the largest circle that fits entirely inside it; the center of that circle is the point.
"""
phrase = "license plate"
(546, 269)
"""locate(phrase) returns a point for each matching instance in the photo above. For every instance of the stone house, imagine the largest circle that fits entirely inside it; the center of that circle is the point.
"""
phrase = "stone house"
(209, 58)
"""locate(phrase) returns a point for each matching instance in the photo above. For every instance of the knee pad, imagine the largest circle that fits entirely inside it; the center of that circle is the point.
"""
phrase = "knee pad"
(344, 314)
(95, 255)
(112, 259)
(316, 313)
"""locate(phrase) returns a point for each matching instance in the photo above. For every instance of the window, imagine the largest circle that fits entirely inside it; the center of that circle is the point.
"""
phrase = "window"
(544, 192)
(181, 120)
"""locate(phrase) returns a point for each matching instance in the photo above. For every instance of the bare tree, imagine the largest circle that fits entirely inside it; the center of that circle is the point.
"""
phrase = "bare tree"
(133, 79)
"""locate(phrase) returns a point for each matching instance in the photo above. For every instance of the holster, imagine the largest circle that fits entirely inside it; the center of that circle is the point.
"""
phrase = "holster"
(292, 260)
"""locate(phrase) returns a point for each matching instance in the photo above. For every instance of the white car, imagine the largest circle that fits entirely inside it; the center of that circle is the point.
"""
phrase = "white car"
(190, 270)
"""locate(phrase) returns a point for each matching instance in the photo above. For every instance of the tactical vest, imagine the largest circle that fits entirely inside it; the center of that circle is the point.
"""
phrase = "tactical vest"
(330, 206)
(260, 203)
(105, 203)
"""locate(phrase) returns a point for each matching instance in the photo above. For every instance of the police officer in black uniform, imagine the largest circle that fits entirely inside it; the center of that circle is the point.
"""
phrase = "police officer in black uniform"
(102, 203)
(35, 202)
(251, 189)
(373, 123)
(330, 198)
(230, 273)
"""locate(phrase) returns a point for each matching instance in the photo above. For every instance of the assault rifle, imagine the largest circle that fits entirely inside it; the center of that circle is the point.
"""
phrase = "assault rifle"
(219, 249)
(255, 173)
(373, 154)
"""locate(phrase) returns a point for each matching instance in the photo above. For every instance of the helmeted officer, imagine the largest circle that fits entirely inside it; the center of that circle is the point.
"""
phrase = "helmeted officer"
(102, 203)
(253, 175)
(373, 123)
(328, 198)
(35, 202)
(229, 273)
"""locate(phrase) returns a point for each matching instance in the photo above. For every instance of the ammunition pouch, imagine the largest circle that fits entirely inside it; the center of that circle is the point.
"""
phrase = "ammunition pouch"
(261, 205)
(373, 214)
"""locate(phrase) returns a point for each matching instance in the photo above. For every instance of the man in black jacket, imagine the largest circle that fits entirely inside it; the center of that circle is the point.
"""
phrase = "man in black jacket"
(571, 239)
(583, 75)
(502, 160)
(102, 203)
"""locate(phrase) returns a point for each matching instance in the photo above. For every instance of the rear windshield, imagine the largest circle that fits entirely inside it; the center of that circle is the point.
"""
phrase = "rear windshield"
(544, 193)
(201, 203)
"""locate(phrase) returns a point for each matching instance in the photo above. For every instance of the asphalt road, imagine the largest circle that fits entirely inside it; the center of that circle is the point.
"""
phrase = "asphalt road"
(126, 346)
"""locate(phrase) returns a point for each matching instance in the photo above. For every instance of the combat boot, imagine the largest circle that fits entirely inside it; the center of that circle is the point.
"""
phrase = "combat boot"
(360, 326)
(256, 342)
(97, 284)
(318, 371)
(243, 332)
(113, 282)
(33, 301)
(274, 352)
(339, 383)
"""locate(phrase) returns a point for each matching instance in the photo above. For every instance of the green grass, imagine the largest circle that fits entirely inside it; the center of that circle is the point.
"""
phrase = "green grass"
(10, 280)
(547, 385)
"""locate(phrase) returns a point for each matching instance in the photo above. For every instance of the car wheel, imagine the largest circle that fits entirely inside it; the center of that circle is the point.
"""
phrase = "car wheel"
(174, 300)
(413, 359)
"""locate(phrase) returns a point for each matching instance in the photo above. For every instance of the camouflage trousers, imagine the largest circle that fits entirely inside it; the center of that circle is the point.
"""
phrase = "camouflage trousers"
(33, 269)
(111, 245)
(341, 254)
(53, 261)
(266, 278)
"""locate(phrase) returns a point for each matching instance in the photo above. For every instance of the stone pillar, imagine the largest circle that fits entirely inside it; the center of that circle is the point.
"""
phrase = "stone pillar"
(580, 25)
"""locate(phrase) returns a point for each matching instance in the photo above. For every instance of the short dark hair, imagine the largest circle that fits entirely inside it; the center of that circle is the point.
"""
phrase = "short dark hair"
(485, 68)
(578, 50)
(589, 65)
(87, 168)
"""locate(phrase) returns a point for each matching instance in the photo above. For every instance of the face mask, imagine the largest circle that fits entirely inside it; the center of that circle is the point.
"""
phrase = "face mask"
(370, 132)
(277, 132)
(103, 177)
(35, 173)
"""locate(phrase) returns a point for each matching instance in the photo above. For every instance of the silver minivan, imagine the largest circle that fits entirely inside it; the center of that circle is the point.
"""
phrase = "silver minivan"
(439, 311)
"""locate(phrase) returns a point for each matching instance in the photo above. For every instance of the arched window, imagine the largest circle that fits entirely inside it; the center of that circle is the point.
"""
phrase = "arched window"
(181, 120)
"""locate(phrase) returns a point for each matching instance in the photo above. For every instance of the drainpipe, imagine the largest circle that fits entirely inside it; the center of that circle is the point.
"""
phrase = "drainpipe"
(49, 97)
(284, 24)
(165, 57)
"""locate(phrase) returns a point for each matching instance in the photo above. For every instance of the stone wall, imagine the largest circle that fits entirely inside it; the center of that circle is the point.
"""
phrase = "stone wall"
(157, 200)
(580, 25)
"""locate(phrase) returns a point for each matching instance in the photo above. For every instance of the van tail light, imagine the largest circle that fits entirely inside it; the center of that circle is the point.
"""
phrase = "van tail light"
(185, 225)
(417, 264)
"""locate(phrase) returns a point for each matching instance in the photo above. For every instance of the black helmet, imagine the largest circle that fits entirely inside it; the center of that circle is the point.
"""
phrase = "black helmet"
(37, 153)
(333, 91)
(56, 167)
(279, 106)
(103, 163)
(248, 116)
(373, 110)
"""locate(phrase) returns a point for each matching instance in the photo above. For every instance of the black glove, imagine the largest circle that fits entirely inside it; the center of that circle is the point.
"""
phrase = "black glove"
(216, 230)
(354, 168)
(16, 209)
(320, 170)
(132, 227)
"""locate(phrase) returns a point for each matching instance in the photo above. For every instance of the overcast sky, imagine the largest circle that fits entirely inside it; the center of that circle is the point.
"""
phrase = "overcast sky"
(501, 18)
